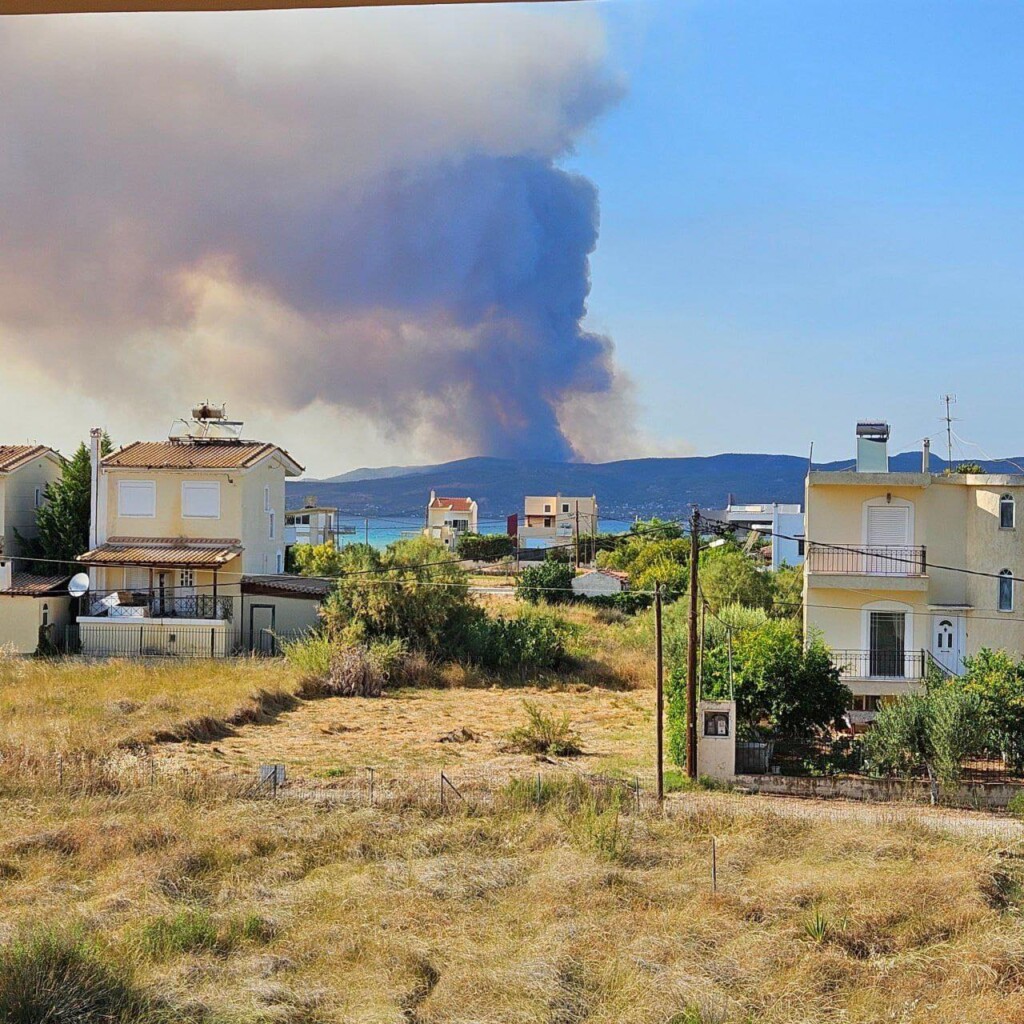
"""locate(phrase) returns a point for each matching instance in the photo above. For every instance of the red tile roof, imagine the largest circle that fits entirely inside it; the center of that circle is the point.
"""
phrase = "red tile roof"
(24, 584)
(163, 551)
(192, 455)
(455, 504)
(14, 456)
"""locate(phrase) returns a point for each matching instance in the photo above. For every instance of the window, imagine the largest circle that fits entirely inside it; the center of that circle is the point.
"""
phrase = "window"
(547, 508)
(866, 702)
(187, 579)
(280, 563)
(800, 544)
(1006, 512)
(886, 644)
(200, 499)
(1006, 591)
(39, 497)
(273, 525)
(46, 614)
(565, 506)
(266, 499)
(547, 521)
(716, 723)
(136, 499)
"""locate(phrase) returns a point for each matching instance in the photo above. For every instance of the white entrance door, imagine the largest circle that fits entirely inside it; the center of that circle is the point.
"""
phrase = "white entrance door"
(888, 535)
(946, 641)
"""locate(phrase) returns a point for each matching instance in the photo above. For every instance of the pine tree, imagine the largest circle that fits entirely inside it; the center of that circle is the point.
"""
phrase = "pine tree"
(62, 520)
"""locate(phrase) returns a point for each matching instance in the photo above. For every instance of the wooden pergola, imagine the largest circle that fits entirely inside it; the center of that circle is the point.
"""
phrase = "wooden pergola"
(141, 6)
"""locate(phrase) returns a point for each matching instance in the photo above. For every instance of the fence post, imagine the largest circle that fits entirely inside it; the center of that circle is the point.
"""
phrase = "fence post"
(370, 770)
(273, 784)
(538, 789)
(213, 637)
(636, 792)
(60, 770)
(714, 866)
(442, 789)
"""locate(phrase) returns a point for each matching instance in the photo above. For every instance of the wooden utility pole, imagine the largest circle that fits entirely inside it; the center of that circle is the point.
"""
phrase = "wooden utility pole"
(366, 530)
(691, 650)
(660, 701)
(577, 534)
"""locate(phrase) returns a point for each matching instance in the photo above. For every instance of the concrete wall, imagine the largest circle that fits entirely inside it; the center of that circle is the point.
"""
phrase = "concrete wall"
(291, 615)
(597, 584)
(191, 638)
(989, 795)
(21, 617)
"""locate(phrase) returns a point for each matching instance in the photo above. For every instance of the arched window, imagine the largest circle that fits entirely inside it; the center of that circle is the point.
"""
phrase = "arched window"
(1007, 515)
(1006, 591)
(46, 614)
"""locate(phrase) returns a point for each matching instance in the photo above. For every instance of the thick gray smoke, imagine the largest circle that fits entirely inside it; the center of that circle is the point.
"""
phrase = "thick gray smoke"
(357, 209)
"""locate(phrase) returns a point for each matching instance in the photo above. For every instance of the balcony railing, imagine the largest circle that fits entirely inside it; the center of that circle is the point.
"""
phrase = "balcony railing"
(880, 664)
(143, 605)
(866, 560)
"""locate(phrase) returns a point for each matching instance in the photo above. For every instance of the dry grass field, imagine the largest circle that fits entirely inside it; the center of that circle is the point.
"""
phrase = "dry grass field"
(189, 905)
(215, 910)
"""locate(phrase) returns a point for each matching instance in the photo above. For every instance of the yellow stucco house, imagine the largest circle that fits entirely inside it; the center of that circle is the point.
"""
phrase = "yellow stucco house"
(175, 526)
(25, 472)
(879, 576)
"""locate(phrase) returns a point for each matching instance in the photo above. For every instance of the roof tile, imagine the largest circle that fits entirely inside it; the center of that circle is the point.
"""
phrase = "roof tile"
(192, 454)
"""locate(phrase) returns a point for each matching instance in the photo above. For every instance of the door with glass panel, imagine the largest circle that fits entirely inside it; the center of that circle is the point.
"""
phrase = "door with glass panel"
(887, 644)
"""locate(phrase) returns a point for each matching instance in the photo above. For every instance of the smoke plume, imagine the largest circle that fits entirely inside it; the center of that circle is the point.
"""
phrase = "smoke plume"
(358, 210)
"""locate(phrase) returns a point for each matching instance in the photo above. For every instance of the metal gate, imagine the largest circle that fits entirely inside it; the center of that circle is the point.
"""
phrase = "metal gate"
(753, 758)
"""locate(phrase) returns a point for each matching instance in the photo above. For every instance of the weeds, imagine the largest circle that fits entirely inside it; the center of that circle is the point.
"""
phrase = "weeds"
(817, 927)
(544, 734)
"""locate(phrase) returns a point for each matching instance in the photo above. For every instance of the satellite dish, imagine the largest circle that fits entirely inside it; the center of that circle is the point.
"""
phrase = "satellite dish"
(78, 585)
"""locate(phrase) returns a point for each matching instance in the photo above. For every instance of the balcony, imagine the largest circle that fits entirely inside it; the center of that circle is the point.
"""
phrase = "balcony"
(897, 666)
(128, 606)
(866, 560)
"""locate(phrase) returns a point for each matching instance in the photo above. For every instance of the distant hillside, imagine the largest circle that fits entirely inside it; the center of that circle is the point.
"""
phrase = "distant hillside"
(644, 487)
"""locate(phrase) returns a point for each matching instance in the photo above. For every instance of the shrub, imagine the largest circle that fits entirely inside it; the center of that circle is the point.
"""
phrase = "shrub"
(534, 641)
(1015, 805)
(310, 654)
(549, 581)
(60, 979)
(544, 734)
(352, 673)
(486, 547)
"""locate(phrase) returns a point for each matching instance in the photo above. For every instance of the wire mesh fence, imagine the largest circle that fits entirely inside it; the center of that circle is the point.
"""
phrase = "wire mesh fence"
(443, 790)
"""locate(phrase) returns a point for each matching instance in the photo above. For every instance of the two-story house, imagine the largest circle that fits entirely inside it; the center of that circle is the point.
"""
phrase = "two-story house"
(450, 518)
(908, 570)
(312, 524)
(30, 605)
(175, 525)
(25, 472)
(557, 520)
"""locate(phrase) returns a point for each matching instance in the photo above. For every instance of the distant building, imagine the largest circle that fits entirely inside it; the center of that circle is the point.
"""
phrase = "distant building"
(33, 609)
(311, 524)
(600, 583)
(450, 518)
(555, 521)
(781, 524)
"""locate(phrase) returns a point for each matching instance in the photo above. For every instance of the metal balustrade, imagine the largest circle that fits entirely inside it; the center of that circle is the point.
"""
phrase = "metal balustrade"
(866, 560)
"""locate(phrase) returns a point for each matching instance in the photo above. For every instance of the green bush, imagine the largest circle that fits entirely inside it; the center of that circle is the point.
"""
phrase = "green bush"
(550, 581)
(486, 547)
(310, 654)
(544, 734)
(60, 979)
(535, 641)
(1015, 805)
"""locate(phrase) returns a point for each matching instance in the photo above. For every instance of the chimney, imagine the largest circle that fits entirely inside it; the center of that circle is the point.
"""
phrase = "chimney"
(95, 442)
(872, 447)
(926, 453)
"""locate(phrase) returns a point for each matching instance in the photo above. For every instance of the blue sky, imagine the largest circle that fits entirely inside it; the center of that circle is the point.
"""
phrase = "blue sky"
(812, 212)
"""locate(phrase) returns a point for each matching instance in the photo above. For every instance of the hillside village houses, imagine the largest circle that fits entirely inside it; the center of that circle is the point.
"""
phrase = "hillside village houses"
(450, 518)
(27, 603)
(175, 525)
(874, 586)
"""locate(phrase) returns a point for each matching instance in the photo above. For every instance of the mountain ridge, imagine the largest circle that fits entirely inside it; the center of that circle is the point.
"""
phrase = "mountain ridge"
(624, 488)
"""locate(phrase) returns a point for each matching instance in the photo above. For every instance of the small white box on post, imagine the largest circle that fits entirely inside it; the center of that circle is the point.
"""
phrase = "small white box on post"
(716, 739)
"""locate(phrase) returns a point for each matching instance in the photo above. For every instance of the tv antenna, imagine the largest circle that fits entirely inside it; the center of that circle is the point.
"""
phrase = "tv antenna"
(949, 400)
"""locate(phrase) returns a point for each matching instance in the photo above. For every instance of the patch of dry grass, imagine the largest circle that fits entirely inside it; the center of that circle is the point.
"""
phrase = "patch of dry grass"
(282, 912)
(76, 706)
